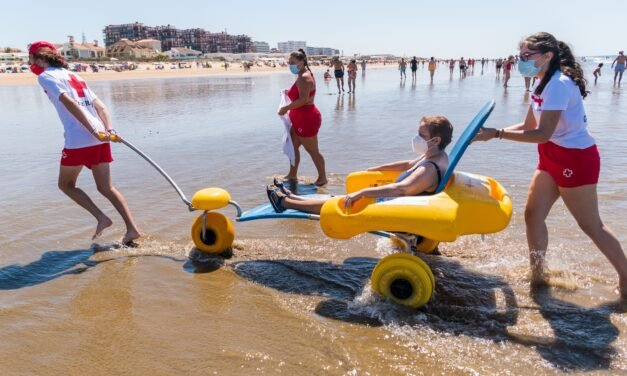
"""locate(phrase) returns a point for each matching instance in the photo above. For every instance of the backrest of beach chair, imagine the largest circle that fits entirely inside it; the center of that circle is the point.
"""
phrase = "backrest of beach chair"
(464, 140)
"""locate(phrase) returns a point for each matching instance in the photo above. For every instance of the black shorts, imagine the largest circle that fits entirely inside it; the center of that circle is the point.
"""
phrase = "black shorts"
(338, 73)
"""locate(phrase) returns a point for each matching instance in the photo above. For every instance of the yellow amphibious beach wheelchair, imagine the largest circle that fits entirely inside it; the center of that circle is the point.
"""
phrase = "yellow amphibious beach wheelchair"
(463, 204)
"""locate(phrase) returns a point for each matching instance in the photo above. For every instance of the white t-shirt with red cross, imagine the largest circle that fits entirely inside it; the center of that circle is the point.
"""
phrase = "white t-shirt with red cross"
(561, 93)
(56, 81)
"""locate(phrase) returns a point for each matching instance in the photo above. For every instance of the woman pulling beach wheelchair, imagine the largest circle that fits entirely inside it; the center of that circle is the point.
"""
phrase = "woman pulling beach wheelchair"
(87, 130)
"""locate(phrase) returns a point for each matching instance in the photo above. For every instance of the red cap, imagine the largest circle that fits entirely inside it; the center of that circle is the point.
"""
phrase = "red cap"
(34, 47)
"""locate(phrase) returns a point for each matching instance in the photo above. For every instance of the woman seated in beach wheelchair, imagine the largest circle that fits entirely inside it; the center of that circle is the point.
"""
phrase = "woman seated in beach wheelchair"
(420, 176)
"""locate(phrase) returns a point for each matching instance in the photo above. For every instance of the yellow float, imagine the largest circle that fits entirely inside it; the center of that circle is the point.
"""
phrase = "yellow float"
(470, 204)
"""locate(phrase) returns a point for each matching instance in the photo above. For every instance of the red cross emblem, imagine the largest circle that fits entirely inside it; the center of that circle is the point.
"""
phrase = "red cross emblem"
(538, 100)
(78, 85)
(567, 172)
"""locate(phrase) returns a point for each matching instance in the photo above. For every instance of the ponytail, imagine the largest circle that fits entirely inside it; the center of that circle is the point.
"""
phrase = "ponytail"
(300, 55)
(50, 57)
(563, 60)
(571, 67)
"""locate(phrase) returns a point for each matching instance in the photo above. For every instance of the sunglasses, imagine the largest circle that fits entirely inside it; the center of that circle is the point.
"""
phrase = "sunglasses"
(526, 55)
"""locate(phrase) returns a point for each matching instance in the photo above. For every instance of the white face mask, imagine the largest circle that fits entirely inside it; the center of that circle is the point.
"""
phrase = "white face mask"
(419, 145)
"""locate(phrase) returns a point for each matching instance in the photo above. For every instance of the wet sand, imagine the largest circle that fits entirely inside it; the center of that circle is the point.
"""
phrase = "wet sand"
(291, 301)
(27, 78)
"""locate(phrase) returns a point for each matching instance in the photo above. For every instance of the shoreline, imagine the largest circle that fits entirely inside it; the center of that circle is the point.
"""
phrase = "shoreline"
(27, 78)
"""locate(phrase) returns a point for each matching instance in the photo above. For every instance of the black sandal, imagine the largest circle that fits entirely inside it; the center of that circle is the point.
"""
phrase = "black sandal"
(275, 196)
(280, 183)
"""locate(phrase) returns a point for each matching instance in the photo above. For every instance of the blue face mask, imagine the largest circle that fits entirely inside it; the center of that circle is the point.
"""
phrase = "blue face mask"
(294, 68)
(528, 68)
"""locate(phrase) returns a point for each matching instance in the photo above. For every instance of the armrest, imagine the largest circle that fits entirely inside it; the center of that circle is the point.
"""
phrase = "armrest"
(366, 179)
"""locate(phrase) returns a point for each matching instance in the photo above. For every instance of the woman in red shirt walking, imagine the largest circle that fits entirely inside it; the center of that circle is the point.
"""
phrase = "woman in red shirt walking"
(87, 127)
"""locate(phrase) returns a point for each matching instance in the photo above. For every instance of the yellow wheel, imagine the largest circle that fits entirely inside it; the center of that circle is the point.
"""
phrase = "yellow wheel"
(219, 233)
(426, 245)
(405, 279)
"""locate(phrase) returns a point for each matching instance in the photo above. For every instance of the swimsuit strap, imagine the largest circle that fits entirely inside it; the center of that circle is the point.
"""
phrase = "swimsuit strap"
(405, 174)
(437, 169)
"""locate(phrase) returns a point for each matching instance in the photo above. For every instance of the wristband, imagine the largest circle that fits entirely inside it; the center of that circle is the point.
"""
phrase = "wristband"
(501, 134)
(110, 131)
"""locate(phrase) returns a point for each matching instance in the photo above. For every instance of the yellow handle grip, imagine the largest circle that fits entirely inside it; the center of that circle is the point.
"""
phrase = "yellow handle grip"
(112, 136)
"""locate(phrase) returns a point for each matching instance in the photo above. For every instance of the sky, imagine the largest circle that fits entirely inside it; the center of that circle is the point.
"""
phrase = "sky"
(450, 28)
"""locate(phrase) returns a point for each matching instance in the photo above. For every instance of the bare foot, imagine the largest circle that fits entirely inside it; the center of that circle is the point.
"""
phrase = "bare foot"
(130, 236)
(321, 182)
(539, 280)
(103, 223)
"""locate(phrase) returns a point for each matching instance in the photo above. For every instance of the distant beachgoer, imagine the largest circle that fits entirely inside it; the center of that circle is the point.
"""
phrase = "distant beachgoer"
(451, 66)
(569, 162)
(507, 69)
(338, 70)
(87, 130)
(352, 75)
(363, 67)
(305, 116)
(420, 175)
(327, 75)
(413, 64)
(597, 72)
(431, 67)
(462, 67)
(620, 66)
(499, 64)
(402, 66)
(527, 83)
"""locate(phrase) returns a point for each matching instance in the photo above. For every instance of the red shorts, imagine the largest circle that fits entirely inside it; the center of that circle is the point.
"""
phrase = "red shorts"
(306, 120)
(89, 156)
(570, 168)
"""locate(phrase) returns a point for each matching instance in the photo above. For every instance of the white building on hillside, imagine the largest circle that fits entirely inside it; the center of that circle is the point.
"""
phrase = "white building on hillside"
(182, 53)
(291, 46)
(72, 50)
(13, 57)
(261, 47)
(326, 51)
